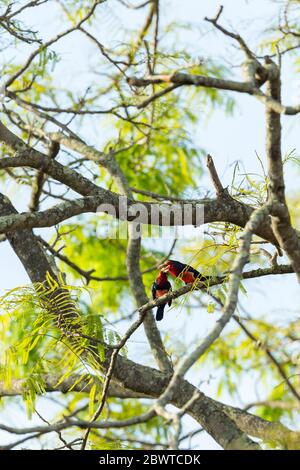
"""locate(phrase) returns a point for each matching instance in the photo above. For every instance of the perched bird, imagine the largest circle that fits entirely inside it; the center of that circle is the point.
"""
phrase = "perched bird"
(160, 287)
(183, 271)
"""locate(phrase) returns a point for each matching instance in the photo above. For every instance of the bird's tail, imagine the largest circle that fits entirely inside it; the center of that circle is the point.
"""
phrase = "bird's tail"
(160, 312)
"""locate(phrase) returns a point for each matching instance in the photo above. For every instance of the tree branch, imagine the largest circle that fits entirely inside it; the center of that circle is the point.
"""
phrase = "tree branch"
(224, 209)
(44, 46)
(288, 237)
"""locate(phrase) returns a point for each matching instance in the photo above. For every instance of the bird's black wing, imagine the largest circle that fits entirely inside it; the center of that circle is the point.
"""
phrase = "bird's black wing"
(153, 290)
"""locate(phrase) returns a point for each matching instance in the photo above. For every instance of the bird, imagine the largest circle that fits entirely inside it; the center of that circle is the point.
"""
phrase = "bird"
(185, 272)
(160, 287)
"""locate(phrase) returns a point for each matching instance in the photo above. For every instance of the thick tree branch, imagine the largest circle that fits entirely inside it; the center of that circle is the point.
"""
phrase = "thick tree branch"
(224, 209)
(229, 426)
(39, 180)
(215, 210)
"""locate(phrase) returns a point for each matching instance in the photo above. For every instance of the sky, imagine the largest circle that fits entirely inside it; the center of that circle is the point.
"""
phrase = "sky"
(228, 139)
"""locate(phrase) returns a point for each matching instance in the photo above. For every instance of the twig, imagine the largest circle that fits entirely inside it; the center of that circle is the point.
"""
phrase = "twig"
(44, 46)
(272, 358)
